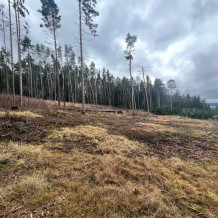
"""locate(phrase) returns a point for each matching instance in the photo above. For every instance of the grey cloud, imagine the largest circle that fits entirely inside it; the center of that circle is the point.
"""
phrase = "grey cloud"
(158, 24)
(202, 9)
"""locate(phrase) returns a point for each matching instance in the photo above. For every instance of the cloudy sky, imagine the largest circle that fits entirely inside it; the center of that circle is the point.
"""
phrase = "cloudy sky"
(177, 39)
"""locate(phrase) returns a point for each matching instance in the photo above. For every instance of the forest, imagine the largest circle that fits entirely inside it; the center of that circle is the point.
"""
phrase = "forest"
(53, 71)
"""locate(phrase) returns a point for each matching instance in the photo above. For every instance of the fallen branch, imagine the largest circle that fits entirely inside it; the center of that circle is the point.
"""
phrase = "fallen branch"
(176, 201)
(188, 207)
(11, 211)
(212, 132)
(5, 135)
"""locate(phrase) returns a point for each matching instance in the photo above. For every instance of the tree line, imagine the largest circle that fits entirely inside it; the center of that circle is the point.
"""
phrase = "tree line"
(55, 72)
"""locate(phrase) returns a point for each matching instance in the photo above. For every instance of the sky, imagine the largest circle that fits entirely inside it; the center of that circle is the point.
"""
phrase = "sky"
(177, 39)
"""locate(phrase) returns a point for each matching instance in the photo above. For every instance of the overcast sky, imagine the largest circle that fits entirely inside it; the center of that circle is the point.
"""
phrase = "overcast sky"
(177, 39)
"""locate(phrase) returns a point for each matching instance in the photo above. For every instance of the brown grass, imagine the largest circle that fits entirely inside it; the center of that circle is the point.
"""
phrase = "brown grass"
(6, 101)
(108, 165)
(27, 114)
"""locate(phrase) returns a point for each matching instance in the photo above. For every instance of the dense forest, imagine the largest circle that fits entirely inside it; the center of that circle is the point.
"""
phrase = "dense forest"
(53, 71)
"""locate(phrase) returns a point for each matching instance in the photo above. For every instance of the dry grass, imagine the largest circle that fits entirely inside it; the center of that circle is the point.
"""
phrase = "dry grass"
(27, 114)
(108, 165)
(6, 101)
(105, 143)
(153, 127)
(92, 132)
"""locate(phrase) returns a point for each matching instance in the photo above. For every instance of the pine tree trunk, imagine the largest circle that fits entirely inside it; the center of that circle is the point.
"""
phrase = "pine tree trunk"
(92, 95)
(96, 95)
(138, 99)
(49, 86)
(81, 56)
(31, 74)
(17, 15)
(51, 82)
(71, 87)
(150, 93)
(69, 81)
(171, 101)
(55, 84)
(158, 98)
(11, 45)
(63, 88)
(145, 89)
(75, 88)
(5, 58)
(41, 81)
(56, 66)
(132, 88)
(36, 87)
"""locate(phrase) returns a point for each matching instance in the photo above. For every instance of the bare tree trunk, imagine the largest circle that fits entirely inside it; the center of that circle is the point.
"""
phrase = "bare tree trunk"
(138, 99)
(134, 102)
(75, 87)
(132, 91)
(171, 101)
(31, 74)
(55, 83)
(145, 89)
(150, 94)
(17, 15)
(56, 66)
(11, 45)
(70, 90)
(92, 95)
(69, 85)
(96, 94)
(81, 56)
(36, 87)
(42, 88)
(109, 95)
(52, 82)
(63, 88)
(49, 82)
(5, 58)
(158, 98)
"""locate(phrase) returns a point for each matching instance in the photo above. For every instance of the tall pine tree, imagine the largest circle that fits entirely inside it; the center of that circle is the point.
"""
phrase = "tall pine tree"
(86, 10)
(52, 21)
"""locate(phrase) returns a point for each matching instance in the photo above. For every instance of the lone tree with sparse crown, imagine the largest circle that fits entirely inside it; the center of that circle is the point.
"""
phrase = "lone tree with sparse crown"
(86, 10)
(52, 21)
(130, 44)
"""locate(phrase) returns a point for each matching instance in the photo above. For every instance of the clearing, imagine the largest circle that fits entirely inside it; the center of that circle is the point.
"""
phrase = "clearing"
(60, 163)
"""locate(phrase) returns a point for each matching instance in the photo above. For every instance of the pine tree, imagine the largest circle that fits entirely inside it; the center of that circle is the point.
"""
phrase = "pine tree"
(52, 20)
(86, 10)
(130, 44)
(20, 10)
(11, 46)
(3, 29)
